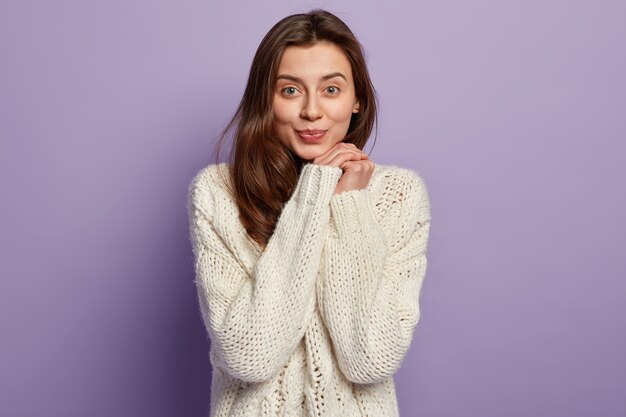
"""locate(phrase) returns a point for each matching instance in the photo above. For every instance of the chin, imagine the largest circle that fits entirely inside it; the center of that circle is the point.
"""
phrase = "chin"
(312, 152)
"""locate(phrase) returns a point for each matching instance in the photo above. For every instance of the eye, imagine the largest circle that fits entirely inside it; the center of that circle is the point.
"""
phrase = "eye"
(288, 91)
(332, 89)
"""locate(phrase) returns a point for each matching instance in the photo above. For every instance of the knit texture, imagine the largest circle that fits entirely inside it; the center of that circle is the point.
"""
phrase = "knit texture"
(318, 322)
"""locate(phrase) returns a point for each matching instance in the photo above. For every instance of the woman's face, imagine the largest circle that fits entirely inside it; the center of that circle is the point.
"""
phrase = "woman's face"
(314, 91)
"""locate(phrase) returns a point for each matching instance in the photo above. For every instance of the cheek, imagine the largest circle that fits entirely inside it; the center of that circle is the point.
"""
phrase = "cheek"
(282, 112)
(341, 111)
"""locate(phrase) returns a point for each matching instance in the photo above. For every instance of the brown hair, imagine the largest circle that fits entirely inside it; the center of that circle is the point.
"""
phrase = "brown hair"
(264, 172)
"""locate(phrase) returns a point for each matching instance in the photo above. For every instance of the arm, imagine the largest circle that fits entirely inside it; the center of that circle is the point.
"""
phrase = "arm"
(255, 321)
(372, 275)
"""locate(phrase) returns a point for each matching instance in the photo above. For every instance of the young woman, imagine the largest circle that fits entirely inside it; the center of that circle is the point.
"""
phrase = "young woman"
(309, 257)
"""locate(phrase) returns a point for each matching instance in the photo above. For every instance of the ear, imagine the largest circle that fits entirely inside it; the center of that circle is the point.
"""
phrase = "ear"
(355, 109)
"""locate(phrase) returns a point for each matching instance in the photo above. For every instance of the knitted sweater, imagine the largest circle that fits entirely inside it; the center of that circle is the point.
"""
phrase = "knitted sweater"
(317, 323)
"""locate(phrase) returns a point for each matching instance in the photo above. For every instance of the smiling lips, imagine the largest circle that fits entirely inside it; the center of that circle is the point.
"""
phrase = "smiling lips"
(309, 135)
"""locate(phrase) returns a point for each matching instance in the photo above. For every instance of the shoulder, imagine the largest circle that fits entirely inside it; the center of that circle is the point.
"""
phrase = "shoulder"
(400, 181)
(208, 183)
(398, 174)
(208, 176)
(395, 185)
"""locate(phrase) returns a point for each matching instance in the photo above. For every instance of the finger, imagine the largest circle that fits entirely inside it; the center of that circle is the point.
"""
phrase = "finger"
(338, 148)
(327, 158)
(340, 158)
(353, 146)
(330, 153)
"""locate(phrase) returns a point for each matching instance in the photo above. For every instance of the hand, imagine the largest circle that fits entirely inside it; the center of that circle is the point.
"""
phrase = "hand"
(356, 166)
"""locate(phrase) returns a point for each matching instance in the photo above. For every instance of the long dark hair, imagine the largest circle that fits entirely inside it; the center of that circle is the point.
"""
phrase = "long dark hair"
(263, 172)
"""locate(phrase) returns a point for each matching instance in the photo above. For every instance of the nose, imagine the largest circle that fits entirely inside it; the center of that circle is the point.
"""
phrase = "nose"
(311, 109)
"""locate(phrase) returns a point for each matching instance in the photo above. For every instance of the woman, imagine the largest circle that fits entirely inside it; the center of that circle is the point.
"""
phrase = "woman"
(309, 257)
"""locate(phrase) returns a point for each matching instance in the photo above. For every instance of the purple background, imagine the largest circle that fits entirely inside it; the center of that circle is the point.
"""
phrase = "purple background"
(513, 112)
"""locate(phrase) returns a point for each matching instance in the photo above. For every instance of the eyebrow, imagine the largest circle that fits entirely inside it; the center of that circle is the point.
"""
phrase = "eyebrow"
(325, 77)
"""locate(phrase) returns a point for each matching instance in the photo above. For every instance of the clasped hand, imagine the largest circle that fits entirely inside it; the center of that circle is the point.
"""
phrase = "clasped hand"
(355, 164)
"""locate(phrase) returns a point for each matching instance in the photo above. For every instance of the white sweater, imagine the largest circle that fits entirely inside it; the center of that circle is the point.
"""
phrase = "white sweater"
(318, 322)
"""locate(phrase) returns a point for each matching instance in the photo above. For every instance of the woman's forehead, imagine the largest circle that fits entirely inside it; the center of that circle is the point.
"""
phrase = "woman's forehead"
(314, 61)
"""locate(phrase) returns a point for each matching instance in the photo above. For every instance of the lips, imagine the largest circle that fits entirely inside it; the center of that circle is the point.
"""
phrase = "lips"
(311, 135)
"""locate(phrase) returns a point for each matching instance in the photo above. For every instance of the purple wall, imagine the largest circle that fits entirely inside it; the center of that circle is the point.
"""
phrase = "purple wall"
(513, 112)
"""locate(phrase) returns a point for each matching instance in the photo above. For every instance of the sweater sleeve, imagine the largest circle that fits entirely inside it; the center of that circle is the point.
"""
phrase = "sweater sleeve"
(372, 273)
(255, 320)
